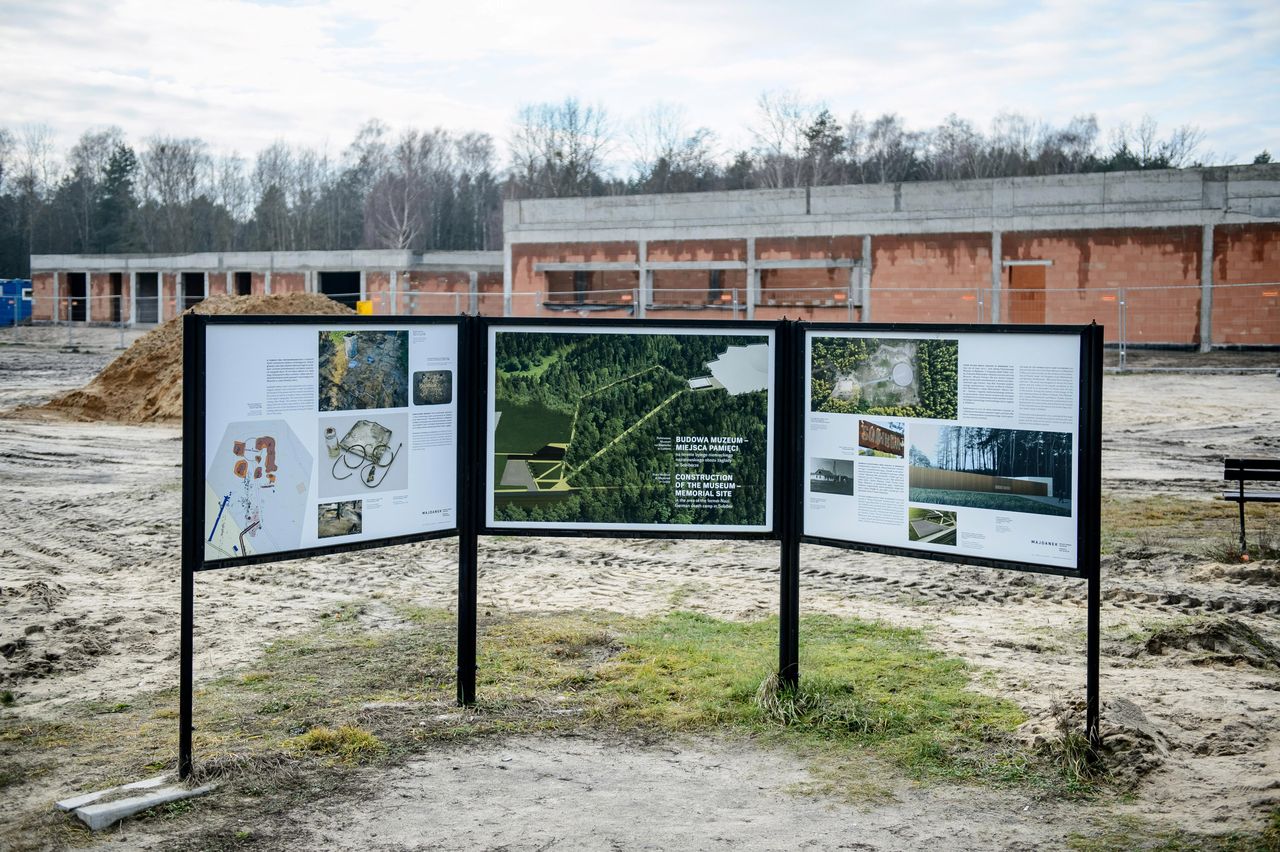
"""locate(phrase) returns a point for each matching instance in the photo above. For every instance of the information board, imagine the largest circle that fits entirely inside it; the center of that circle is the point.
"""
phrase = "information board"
(964, 444)
(637, 427)
(324, 434)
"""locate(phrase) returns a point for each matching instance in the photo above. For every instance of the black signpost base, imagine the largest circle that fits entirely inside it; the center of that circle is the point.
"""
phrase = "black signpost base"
(468, 546)
(1093, 703)
(185, 687)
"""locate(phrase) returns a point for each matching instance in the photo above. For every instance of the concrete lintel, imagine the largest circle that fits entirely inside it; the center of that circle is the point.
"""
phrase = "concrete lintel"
(587, 266)
(282, 261)
(970, 222)
(808, 263)
(1008, 263)
(695, 265)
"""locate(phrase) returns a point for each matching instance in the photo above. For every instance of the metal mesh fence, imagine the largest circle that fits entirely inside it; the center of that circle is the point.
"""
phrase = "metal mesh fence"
(1143, 315)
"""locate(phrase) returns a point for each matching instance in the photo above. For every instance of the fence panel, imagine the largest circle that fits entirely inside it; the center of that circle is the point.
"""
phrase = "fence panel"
(1246, 314)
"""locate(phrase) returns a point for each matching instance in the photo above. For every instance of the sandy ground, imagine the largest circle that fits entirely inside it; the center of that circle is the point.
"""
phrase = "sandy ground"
(88, 610)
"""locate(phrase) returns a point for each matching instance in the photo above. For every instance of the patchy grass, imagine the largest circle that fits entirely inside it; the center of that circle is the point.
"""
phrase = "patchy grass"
(1203, 527)
(875, 703)
(1129, 832)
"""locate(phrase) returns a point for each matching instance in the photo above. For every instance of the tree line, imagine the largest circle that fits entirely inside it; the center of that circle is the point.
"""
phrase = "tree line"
(435, 190)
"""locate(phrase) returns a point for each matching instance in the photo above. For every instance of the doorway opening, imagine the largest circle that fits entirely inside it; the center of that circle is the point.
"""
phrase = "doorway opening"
(343, 287)
(192, 289)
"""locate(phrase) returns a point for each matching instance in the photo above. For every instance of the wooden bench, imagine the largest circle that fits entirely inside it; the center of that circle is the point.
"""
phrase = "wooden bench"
(1250, 470)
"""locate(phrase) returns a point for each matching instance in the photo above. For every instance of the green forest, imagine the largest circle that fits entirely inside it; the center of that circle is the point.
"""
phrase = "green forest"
(611, 398)
(936, 376)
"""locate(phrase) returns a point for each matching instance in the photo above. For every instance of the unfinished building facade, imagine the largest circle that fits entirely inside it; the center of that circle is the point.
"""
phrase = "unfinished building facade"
(1185, 257)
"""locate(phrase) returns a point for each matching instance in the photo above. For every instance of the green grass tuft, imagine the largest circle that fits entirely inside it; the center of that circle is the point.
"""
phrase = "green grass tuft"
(346, 742)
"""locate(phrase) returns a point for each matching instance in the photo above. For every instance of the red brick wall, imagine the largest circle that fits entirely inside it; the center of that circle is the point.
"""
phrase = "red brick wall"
(930, 277)
(1245, 255)
(690, 286)
(169, 307)
(288, 282)
(490, 286)
(1159, 270)
(43, 306)
(434, 293)
(525, 255)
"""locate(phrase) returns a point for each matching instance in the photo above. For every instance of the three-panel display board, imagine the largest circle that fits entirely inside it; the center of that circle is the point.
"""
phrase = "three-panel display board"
(312, 435)
(965, 444)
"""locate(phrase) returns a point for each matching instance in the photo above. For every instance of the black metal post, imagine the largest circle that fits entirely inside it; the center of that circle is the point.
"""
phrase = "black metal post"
(1091, 545)
(470, 421)
(789, 384)
(192, 529)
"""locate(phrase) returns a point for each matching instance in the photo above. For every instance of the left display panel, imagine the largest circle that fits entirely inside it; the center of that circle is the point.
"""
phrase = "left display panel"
(323, 435)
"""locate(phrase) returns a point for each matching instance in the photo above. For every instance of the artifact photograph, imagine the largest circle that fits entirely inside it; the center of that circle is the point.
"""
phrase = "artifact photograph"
(432, 387)
(881, 438)
(363, 453)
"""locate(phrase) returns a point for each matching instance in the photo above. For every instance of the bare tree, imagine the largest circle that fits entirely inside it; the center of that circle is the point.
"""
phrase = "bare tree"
(87, 162)
(666, 155)
(780, 141)
(478, 191)
(955, 150)
(171, 172)
(891, 150)
(397, 209)
(558, 150)
(7, 147)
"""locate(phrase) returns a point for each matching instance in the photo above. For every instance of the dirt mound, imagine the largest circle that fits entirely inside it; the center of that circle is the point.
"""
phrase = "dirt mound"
(144, 384)
(1221, 641)
(1132, 745)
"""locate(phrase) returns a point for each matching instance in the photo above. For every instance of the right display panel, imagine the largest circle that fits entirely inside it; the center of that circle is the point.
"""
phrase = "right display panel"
(957, 444)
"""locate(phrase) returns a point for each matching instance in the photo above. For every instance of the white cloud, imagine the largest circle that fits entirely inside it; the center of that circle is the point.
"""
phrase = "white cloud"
(241, 74)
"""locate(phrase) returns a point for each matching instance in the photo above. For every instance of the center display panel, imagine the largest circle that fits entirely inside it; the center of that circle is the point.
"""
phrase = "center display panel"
(657, 428)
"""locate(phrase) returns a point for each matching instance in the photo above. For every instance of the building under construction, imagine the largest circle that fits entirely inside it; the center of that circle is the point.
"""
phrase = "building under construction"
(1187, 257)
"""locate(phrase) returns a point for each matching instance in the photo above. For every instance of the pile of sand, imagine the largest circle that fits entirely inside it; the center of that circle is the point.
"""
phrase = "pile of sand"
(144, 384)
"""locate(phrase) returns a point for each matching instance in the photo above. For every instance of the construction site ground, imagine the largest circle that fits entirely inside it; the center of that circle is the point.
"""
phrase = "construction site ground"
(89, 582)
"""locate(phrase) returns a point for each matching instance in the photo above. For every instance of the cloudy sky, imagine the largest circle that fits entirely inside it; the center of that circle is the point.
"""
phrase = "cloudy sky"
(243, 73)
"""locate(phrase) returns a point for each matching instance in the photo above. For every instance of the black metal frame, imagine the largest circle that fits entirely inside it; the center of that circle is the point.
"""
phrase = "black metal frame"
(585, 325)
(1088, 484)
(193, 481)
(787, 428)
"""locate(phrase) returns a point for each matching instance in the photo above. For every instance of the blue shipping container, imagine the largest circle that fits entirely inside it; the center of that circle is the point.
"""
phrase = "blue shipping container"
(15, 301)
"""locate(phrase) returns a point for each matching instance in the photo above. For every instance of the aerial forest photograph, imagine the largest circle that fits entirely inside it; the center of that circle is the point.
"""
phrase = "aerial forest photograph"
(885, 376)
(590, 426)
